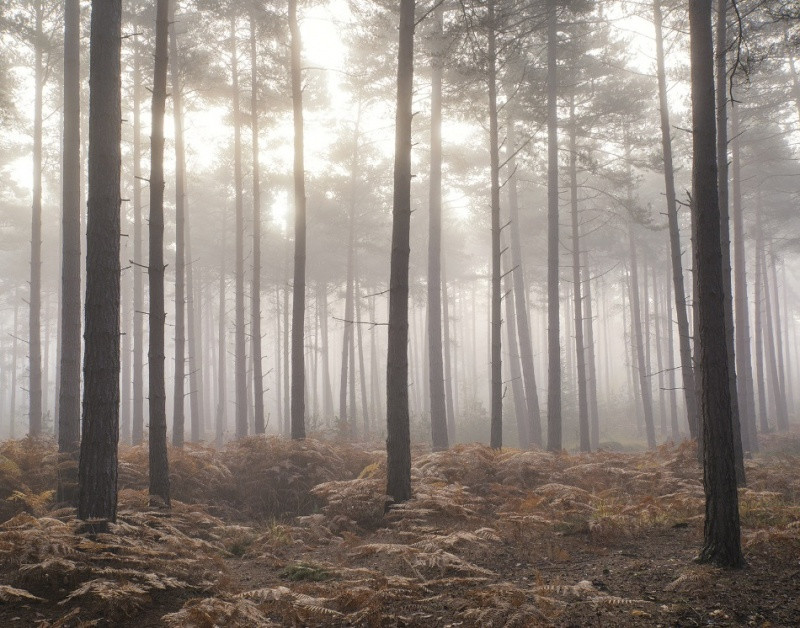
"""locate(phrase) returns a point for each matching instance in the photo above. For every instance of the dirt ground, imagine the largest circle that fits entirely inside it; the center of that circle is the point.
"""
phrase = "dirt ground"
(490, 539)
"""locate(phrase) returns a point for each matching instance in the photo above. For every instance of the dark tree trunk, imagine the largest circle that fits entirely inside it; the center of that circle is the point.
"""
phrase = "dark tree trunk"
(398, 441)
(724, 217)
(255, 290)
(299, 287)
(69, 395)
(553, 322)
(687, 371)
(137, 427)
(580, 356)
(783, 413)
(179, 385)
(520, 299)
(497, 316)
(12, 413)
(35, 299)
(436, 366)
(286, 366)
(722, 543)
(638, 341)
(240, 345)
(159, 466)
(97, 473)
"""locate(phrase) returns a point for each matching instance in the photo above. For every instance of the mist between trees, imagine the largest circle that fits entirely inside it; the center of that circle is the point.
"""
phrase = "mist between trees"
(576, 223)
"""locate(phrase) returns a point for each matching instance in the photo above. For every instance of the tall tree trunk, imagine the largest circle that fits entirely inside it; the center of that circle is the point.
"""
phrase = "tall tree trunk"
(348, 324)
(12, 412)
(588, 322)
(179, 384)
(657, 309)
(687, 371)
(69, 388)
(398, 441)
(783, 414)
(722, 543)
(240, 346)
(255, 289)
(299, 294)
(222, 351)
(97, 472)
(361, 370)
(35, 299)
(278, 361)
(553, 322)
(724, 217)
(520, 297)
(759, 322)
(644, 375)
(436, 366)
(448, 382)
(497, 320)
(514, 367)
(286, 363)
(137, 427)
(159, 466)
(580, 357)
(194, 318)
(327, 395)
(744, 365)
(673, 397)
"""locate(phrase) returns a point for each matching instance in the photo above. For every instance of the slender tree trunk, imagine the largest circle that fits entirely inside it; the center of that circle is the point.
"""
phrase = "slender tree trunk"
(759, 310)
(286, 363)
(352, 428)
(159, 466)
(97, 472)
(514, 367)
(724, 215)
(436, 366)
(398, 441)
(194, 312)
(783, 413)
(644, 378)
(657, 305)
(126, 297)
(497, 321)
(687, 371)
(179, 384)
(69, 389)
(348, 324)
(520, 298)
(222, 351)
(12, 413)
(278, 361)
(35, 299)
(553, 330)
(588, 323)
(673, 397)
(255, 290)
(240, 346)
(361, 370)
(722, 543)
(327, 395)
(299, 294)
(448, 381)
(137, 428)
(744, 365)
(580, 357)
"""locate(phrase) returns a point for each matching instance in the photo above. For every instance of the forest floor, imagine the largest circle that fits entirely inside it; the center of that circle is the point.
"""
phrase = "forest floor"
(272, 533)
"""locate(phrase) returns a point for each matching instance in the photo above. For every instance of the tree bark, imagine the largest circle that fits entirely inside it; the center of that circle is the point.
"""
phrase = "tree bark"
(436, 367)
(137, 427)
(580, 356)
(222, 381)
(588, 321)
(398, 441)
(673, 397)
(240, 346)
(159, 466)
(783, 413)
(687, 371)
(514, 367)
(722, 543)
(448, 382)
(771, 346)
(553, 322)
(179, 384)
(327, 394)
(657, 310)
(97, 472)
(69, 395)
(299, 288)
(255, 290)
(496, 439)
(724, 216)
(35, 299)
(759, 322)
(361, 370)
